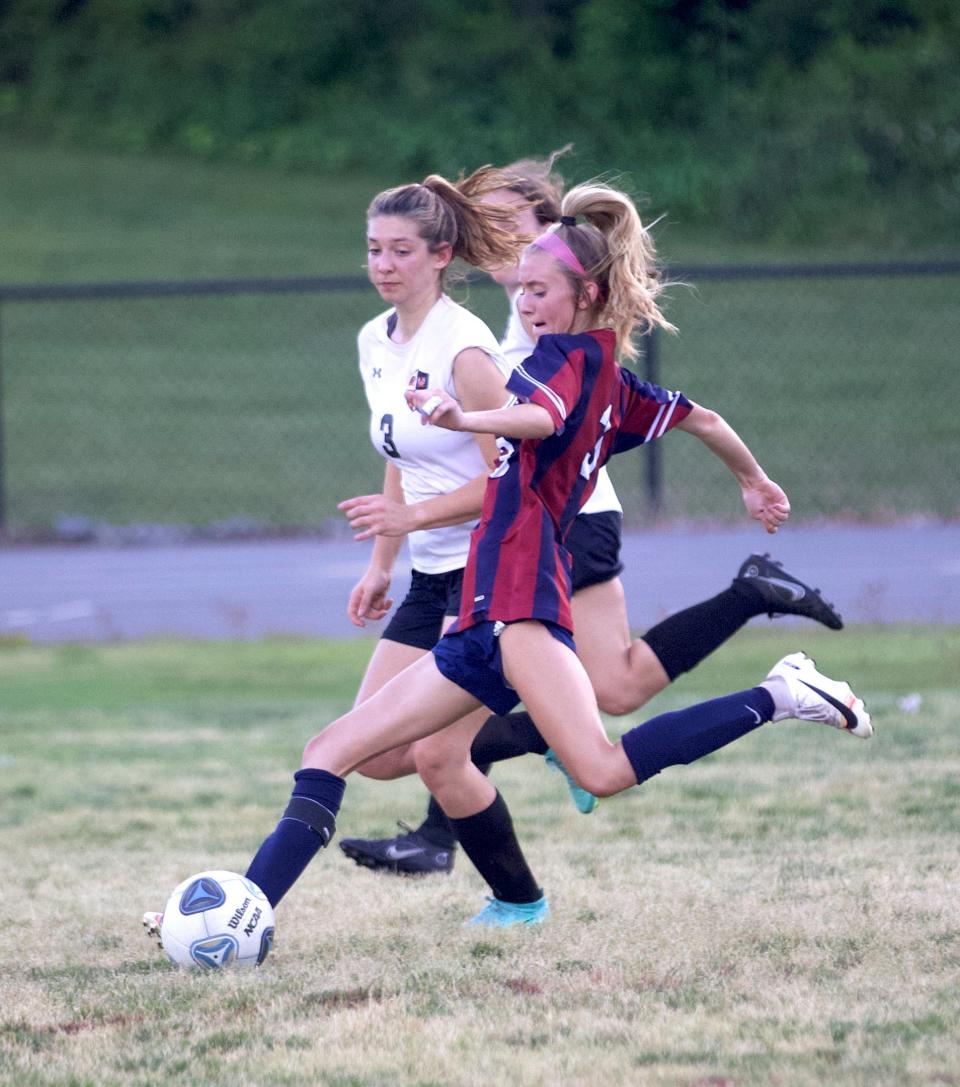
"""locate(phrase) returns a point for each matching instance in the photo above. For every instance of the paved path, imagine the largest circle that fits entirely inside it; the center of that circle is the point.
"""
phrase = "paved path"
(242, 590)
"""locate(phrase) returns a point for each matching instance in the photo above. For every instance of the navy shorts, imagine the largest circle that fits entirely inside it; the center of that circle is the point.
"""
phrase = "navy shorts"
(594, 546)
(471, 659)
(418, 620)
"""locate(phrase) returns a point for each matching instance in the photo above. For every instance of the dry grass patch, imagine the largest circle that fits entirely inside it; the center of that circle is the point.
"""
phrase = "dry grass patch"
(784, 912)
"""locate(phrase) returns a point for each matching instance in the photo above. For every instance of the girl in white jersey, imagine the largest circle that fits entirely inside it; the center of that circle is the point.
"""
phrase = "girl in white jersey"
(432, 488)
(434, 481)
(625, 671)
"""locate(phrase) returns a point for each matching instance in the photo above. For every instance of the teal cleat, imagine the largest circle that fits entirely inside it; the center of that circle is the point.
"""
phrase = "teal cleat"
(585, 802)
(497, 914)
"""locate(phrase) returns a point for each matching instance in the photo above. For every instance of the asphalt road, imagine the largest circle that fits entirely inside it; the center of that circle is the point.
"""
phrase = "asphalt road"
(248, 590)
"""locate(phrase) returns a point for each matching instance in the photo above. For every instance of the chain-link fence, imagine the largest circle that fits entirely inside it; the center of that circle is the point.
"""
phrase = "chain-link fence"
(237, 406)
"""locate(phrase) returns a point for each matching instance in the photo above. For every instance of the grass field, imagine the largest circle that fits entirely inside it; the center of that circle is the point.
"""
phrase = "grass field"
(784, 912)
(200, 410)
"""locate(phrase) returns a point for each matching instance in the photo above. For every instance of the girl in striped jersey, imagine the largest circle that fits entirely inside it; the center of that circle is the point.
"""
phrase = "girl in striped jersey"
(586, 288)
(625, 672)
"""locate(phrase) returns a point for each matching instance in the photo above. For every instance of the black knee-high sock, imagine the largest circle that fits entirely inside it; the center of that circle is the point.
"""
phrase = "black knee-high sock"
(500, 738)
(682, 641)
(305, 827)
(436, 826)
(686, 735)
(507, 737)
(489, 841)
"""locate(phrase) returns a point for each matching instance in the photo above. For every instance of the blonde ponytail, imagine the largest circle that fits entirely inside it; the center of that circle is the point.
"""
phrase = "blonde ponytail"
(618, 254)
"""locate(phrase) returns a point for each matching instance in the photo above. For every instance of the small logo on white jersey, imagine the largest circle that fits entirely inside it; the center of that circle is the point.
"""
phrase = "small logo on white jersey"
(377, 372)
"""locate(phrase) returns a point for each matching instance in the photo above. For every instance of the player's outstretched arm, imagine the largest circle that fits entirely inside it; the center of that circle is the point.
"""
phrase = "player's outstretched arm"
(765, 500)
(516, 421)
(373, 515)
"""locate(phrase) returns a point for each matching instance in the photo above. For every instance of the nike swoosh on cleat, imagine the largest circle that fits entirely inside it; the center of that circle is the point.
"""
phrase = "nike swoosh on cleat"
(849, 716)
(794, 592)
(397, 854)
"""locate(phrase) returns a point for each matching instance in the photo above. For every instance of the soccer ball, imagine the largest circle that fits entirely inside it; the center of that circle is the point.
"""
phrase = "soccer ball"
(216, 919)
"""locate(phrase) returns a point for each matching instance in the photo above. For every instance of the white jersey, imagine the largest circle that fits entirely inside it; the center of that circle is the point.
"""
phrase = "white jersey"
(516, 346)
(432, 461)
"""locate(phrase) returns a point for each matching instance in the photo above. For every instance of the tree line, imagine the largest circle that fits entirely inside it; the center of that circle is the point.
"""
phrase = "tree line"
(765, 117)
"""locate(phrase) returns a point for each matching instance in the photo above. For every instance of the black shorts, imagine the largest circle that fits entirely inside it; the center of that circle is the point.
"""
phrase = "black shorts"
(418, 620)
(594, 546)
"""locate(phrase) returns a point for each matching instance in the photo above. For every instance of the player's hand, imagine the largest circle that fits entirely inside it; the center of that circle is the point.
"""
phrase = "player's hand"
(437, 408)
(368, 599)
(376, 515)
(767, 503)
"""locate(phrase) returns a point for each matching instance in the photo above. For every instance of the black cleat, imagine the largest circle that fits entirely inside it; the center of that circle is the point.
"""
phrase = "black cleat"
(409, 854)
(784, 594)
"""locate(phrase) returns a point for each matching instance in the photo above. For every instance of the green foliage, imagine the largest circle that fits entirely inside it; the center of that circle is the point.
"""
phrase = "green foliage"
(757, 114)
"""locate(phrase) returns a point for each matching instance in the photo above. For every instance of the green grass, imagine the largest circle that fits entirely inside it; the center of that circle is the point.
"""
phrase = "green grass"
(84, 216)
(832, 386)
(200, 410)
(69, 216)
(782, 912)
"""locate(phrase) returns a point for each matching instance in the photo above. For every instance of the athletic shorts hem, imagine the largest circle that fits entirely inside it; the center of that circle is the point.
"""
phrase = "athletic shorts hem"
(418, 619)
(594, 545)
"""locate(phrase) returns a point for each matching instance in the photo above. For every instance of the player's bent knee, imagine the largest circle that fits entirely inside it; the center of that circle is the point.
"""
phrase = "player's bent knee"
(615, 703)
(596, 780)
(434, 766)
(621, 699)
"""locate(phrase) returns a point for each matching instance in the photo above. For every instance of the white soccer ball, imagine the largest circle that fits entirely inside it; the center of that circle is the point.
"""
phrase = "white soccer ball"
(216, 919)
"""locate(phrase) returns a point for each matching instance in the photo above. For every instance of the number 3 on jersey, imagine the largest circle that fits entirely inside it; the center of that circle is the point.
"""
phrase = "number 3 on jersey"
(386, 429)
(589, 464)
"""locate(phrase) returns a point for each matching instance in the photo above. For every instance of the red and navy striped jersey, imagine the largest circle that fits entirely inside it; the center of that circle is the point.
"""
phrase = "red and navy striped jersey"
(518, 567)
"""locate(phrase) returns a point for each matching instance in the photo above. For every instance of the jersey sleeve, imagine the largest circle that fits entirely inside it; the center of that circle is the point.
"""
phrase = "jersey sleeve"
(366, 343)
(647, 412)
(468, 331)
(550, 378)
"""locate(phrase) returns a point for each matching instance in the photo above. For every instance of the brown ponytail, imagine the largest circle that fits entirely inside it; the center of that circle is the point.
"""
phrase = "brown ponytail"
(479, 234)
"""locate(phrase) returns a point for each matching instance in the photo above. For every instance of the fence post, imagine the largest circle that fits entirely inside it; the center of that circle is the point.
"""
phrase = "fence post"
(651, 355)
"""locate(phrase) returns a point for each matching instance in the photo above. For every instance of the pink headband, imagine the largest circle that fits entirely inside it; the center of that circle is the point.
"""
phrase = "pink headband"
(557, 247)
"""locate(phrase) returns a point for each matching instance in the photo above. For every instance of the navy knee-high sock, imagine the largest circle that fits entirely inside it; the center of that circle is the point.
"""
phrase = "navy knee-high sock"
(687, 735)
(305, 827)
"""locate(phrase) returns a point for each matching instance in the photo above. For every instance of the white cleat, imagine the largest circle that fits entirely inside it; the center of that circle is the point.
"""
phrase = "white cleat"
(152, 923)
(800, 691)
